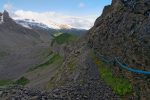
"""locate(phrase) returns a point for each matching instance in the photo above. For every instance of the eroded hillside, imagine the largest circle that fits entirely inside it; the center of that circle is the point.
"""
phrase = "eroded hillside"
(20, 48)
(77, 68)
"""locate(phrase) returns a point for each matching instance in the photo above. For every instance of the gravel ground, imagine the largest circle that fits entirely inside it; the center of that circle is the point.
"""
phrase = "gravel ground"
(92, 90)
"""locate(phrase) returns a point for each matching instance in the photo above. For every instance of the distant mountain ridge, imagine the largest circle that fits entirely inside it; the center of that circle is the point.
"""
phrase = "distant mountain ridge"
(33, 24)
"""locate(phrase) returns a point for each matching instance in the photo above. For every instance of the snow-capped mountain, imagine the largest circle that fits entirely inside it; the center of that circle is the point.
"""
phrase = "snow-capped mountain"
(30, 23)
(33, 24)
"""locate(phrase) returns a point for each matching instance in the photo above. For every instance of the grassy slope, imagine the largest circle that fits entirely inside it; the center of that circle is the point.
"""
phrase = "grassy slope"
(63, 73)
(22, 81)
(64, 38)
(41, 74)
(54, 58)
(5, 82)
(119, 84)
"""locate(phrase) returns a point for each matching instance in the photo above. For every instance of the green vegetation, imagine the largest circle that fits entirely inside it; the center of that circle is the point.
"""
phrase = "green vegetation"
(53, 81)
(22, 81)
(50, 85)
(67, 70)
(72, 65)
(53, 59)
(82, 81)
(119, 84)
(3, 54)
(5, 82)
(64, 38)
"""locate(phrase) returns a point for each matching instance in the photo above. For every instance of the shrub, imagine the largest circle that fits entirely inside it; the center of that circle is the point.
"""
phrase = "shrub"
(22, 81)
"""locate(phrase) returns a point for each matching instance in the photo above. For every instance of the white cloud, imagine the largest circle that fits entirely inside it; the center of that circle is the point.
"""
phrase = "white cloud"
(8, 7)
(52, 19)
(81, 5)
(55, 19)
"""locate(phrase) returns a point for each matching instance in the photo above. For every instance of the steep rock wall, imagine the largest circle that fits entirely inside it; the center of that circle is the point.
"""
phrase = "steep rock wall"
(123, 30)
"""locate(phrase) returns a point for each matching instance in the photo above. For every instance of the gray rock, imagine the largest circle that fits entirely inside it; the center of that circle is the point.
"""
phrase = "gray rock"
(1, 93)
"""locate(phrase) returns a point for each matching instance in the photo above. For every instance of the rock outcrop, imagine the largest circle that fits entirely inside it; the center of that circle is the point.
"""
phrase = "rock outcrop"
(123, 30)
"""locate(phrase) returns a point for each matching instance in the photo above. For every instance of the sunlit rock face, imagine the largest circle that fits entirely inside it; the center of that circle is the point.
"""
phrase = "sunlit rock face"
(123, 30)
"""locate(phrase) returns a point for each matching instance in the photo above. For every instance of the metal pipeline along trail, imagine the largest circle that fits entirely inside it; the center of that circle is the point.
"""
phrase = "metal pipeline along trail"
(122, 65)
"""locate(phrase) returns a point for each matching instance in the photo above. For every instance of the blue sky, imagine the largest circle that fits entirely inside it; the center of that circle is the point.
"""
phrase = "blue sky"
(64, 7)
(76, 7)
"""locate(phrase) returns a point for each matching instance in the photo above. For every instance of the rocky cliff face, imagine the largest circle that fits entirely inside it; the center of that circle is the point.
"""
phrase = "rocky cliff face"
(20, 48)
(123, 31)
